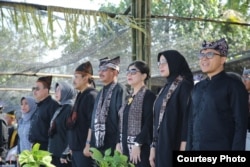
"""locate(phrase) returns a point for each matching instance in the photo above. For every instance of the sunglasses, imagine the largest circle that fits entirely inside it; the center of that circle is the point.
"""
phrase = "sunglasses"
(36, 88)
(208, 55)
(132, 71)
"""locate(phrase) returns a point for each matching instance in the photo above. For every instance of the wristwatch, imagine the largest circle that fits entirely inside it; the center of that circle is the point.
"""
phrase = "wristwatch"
(137, 144)
(153, 145)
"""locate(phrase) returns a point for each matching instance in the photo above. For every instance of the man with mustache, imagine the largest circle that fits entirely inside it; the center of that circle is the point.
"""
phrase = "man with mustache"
(104, 126)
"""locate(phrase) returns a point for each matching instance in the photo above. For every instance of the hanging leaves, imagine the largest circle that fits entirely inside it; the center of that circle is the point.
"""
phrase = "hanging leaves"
(74, 19)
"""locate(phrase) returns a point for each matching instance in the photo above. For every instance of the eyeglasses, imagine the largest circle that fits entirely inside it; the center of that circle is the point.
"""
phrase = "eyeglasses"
(132, 71)
(208, 55)
(246, 77)
(36, 88)
(161, 63)
(103, 69)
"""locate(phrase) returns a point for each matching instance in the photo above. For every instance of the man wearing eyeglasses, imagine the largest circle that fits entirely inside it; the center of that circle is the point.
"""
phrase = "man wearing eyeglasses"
(219, 105)
(246, 81)
(46, 106)
(104, 125)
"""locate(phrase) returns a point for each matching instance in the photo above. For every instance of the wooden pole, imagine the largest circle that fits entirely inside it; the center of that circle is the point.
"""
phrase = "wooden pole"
(141, 42)
(133, 31)
(147, 46)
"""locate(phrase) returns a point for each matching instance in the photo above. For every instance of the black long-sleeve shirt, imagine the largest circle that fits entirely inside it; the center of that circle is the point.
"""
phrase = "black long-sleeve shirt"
(41, 122)
(58, 141)
(173, 127)
(119, 94)
(219, 111)
(146, 134)
(84, 105)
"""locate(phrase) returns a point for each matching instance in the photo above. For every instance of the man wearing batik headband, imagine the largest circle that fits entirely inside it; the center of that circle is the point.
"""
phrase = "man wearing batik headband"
(246, 81)
(219, 105)
(46, 106)
(104, 125)
(79, 121)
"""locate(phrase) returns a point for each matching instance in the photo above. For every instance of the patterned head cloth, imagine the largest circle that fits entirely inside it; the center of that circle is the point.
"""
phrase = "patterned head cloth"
(219, 45)
(110, 63)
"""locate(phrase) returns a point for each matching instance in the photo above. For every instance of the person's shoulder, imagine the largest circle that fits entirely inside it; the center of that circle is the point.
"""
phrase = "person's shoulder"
(54, 102)
(149, 96)
(187, 84)
(149, 93)
(50, 99)
(67, 105)
(121, 87)
(92, 92)
(3, 121)
(233, 80)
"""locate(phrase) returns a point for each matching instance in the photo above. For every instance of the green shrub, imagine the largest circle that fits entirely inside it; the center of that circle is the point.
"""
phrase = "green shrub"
(35, 157)
(117, 160)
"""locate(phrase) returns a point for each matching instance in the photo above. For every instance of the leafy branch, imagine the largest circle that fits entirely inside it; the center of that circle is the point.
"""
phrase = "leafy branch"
(117, 160)
(35, 157)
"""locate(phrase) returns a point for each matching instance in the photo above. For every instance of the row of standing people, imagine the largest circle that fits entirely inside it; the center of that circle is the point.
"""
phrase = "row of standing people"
(212, 115)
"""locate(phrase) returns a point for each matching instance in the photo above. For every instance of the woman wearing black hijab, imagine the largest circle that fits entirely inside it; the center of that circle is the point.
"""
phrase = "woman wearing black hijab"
(171, 108)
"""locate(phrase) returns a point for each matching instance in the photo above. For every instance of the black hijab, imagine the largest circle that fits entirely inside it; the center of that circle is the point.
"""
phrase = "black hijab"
(177, 65)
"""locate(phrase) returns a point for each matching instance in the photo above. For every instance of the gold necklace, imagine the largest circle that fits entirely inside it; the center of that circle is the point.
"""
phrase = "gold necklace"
(130, 100)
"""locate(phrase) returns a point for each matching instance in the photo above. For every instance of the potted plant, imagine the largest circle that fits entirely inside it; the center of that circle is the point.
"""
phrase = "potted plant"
(35, 157)
(117, 160)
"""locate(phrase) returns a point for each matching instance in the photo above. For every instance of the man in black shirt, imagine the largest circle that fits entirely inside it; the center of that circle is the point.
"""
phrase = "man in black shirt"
(79, 120)
(219, 104)
(46, 106)
(104, 123)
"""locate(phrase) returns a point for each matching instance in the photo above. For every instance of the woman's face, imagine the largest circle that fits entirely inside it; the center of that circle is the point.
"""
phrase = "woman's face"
(58, 93)
(134, 76)
(25, 106)
(163, 67)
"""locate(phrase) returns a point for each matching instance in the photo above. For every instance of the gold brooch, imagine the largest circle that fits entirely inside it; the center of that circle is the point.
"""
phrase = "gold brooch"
(130, 100)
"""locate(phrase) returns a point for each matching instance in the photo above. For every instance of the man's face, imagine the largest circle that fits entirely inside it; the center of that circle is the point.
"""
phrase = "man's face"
(107, 75)
(79, 81)
(9, 119)
(40, 92)
(211, 62)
